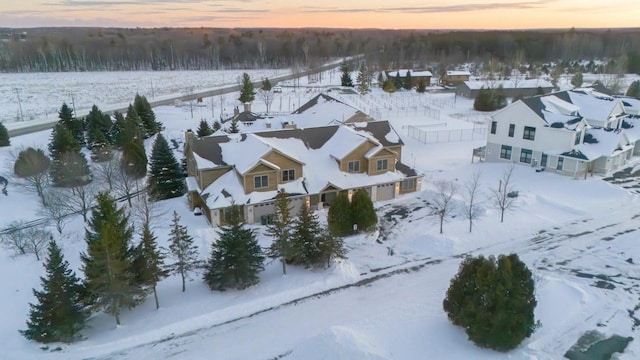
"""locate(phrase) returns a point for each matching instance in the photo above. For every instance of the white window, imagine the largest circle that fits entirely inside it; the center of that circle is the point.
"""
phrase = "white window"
(383, 164)
(261, 181)
(288, 175)
(353, 166)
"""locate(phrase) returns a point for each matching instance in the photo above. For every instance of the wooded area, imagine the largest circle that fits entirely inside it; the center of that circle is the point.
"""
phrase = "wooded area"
(108, 49)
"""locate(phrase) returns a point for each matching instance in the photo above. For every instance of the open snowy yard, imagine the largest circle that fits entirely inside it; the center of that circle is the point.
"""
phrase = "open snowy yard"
(385, 300)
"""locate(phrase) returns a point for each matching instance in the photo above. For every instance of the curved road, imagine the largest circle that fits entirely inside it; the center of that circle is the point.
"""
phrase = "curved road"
(22, 128)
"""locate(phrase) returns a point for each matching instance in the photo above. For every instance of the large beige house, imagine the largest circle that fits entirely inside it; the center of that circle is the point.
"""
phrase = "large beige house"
(311, 165)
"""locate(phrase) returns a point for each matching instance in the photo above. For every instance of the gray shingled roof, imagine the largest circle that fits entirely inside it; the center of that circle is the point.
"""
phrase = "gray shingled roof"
(314, 138)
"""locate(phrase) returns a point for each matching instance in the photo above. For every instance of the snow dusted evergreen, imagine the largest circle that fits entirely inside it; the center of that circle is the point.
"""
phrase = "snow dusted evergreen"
(312, 244)
(204, 129)
(59, 314)
(107, 264)
(280, 229)
(69, 167)
(236, 258)
(165, 179)
(4, 136)
(148, 118)
(148, 263)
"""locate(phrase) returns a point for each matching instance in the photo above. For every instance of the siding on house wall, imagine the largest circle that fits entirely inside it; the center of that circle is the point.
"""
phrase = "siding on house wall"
(208, 176)
(248, 179)
(397, 150)
(357, 154)
(284, 163)
(373, 164)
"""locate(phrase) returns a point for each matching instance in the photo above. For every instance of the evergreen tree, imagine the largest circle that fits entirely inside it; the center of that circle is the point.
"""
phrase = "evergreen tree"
(183, 250)
(266, 85)
(388, 86)
(148, 118)
(280, 230)
(364, 79)
(307, 238)
(407, 81)
(397, 81)
(494, 301)
(539, 90)
(204, 129)
(165, 179)
(4, 136)
(118, 132)
(236, 258)
(362, 212)
(422, 86)
(69, 167)
(59, 314)
(75, 126)
(216, 126)
(633, 91)
(234, 129)
(499, 99)
(331, 247)
(490, 99)
(247, 94)
(99, 134)
(108, 264)
(345, 78)
(148, 263)
(339, 218)
(134, 157)
(577, 79)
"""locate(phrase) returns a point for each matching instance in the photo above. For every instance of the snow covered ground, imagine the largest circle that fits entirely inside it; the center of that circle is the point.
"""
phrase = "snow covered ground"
(385, 300)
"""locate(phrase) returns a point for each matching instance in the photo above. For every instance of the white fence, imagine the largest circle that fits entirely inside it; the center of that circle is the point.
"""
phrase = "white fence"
(440, 136)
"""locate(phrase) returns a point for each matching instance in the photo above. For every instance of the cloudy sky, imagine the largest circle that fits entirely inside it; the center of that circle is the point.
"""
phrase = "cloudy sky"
(387, 14)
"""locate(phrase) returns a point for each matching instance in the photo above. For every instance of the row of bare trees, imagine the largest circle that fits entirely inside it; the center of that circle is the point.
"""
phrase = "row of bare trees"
(82, 49)
(501, 197)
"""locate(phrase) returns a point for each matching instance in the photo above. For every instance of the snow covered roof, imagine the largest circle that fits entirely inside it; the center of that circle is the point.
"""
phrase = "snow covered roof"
(403, 73)
(458, 73)
(609, 142)
(315, 148)
(509, 84)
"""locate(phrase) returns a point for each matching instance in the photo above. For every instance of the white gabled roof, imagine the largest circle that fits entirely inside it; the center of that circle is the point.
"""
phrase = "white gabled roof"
(244, 155)
(609, 143)
(508, 84)
(202, 163)
(458, 73)
(403, 73)
(344, 141)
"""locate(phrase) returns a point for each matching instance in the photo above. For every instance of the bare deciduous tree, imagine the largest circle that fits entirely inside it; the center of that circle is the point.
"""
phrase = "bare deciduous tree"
(501, 198)
(471, 200)
(267, 97)
(81, 198)
(148, 212)
(26, 240)
(125, 185)
(442, 199)
(55, 208)
(107, 171)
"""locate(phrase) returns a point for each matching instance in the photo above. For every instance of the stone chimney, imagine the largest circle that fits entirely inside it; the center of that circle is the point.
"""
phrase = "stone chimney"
(189, 136)
(247, 107)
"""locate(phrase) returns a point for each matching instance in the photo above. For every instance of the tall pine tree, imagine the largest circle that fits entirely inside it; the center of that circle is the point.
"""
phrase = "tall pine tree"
(345, 78)
(183, 250)
(4, 136)
(236, 258)
(134, 157)
(148, 263)
(69, 167)
(362, 212)
(247, 94)
(364, 80)
(118, 132)
(59, 314)
(108, 264)
(149, 123)
(75, 126)
(165, 179)
(306, 238)
(339, 218)
(99, 134)
(408, 82)
(280, 229)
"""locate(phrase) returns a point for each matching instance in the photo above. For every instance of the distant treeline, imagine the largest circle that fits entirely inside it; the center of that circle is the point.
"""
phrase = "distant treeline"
(96, 49)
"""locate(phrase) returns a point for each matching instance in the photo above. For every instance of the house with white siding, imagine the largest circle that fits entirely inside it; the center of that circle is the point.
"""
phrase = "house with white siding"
(573, 132)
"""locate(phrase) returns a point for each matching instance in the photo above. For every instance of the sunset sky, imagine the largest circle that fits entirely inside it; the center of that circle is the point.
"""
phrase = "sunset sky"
(386, 14)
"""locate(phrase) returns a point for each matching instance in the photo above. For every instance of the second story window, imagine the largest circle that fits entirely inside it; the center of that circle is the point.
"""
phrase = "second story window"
(494, 127)
(529, 133)
(288, 175)
(383, 164)
(261, 181)
(512, 129)
(353, 166)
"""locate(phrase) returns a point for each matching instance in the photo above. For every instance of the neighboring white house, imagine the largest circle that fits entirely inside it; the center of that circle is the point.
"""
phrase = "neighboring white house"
(571, 132)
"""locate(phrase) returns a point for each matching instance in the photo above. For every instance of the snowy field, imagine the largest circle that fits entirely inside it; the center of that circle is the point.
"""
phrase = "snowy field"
(385, 300)
(42, 94)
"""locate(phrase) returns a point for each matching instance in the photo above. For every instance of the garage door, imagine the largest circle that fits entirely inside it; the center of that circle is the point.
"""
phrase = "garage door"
(263, 209)
(385, 192)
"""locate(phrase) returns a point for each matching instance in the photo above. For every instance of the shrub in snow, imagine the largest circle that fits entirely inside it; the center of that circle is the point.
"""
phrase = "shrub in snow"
(493, 300)
(4, 136)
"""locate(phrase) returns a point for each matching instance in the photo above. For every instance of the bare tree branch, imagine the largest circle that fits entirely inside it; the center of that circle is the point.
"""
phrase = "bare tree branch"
(445, 190)
(503, 197)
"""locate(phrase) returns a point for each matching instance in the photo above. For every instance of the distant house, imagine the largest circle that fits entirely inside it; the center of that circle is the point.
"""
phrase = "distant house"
(511, 88)
(416, 76)
(454, 77)
(311, 165)
(246, 116)
(571, 132)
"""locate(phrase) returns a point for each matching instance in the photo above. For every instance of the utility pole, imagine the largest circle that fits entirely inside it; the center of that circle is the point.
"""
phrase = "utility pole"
(19, 103)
